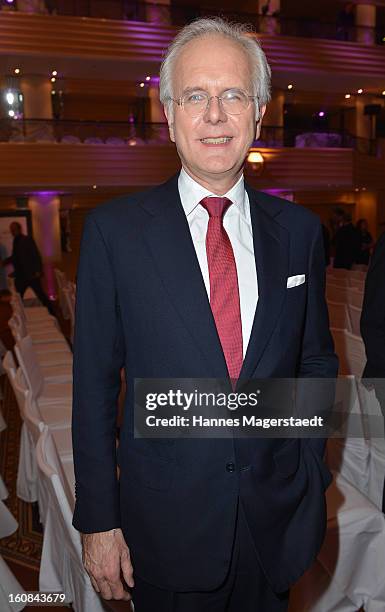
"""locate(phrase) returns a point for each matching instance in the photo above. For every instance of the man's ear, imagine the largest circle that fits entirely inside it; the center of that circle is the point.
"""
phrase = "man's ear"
(258, 124)
(261, 113)
(170, 120)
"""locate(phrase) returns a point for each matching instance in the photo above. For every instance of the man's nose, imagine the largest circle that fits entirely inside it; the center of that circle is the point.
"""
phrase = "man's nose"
(214, 111)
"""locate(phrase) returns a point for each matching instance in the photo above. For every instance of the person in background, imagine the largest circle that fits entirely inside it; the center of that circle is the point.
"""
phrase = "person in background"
(365, 242)
(28, 267)
(373, 326)
(345, 22)
(346, 242)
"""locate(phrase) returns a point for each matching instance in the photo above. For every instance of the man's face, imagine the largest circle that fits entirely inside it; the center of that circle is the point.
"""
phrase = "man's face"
(213, 64)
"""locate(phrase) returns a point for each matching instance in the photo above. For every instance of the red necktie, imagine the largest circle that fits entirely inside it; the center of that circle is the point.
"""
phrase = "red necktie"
(224, 292)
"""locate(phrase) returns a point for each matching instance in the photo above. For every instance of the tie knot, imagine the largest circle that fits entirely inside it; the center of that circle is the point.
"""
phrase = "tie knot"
(215, 206)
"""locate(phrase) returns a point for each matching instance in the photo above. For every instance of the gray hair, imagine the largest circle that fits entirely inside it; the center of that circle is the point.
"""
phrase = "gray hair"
(237, 32)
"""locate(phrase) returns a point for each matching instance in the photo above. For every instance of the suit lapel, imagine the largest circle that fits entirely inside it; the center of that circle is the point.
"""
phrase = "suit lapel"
(169, 240)
(271, 250)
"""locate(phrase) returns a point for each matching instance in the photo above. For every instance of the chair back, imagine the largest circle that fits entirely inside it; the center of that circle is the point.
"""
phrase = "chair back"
(336, 293)
(355, 318)
(49, 464)
(339, 316)
(28, 361)
(355, 297)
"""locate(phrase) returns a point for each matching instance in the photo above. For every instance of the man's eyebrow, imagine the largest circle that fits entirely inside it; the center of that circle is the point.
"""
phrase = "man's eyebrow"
(192, 89)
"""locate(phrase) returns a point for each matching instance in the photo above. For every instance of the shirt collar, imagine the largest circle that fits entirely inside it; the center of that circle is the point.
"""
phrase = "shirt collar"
(191, 193)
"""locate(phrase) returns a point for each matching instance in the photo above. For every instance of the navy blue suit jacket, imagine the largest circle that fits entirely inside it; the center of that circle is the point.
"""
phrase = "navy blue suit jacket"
(142, 304)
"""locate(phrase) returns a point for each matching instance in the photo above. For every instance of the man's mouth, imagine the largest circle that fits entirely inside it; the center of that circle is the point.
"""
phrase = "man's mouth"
(217, 140)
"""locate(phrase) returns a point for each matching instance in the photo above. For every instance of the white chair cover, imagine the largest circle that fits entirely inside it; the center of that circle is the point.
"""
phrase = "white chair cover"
(339, 316)
(351, 352)
(355, 297)
(61, 564)
(9, 585)
(355, 317)
(349, 572)
(335, 293)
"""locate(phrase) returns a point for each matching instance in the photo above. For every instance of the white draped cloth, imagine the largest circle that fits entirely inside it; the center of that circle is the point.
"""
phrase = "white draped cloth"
(8, 583)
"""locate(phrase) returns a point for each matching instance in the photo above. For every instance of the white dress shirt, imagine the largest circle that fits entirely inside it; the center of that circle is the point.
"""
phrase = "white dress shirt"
(237, 223)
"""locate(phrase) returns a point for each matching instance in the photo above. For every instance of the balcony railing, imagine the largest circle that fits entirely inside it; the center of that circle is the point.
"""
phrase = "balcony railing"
(163, 13)
(122, 133)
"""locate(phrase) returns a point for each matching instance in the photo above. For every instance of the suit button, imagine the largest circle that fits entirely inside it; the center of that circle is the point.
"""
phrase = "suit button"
(230, 467)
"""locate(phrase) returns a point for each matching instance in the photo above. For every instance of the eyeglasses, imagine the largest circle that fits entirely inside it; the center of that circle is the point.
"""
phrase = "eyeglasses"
(233, 102)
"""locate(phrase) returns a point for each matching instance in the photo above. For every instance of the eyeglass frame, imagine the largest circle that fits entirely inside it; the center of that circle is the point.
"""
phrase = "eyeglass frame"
(180, 102)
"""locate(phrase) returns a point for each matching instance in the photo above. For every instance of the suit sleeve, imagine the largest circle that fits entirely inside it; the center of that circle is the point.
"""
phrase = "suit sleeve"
(318, 359)
(98, 359)
(373, 312)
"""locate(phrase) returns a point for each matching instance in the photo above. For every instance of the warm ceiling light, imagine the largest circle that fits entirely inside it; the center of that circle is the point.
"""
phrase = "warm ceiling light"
(347, 96)
(53, 80)
(141, 84)
(290, 86)
(383, 93)
(360, 91)
(54, 72)
(9, 96)
(148, 78)
(53, 92)
(256, 161)
(17, 71)
(93, 186)
(11, 113)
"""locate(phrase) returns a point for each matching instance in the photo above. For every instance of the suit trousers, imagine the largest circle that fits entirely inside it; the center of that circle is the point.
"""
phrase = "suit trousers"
(245, 588)
(22, 285)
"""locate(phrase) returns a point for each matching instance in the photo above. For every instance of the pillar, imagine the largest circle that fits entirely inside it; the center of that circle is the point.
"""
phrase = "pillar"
(44, 207)
(37, 104)
(268, 23)
(158, 11)
(274, 117)
(365, 124)
(366, 23)
(157, 114)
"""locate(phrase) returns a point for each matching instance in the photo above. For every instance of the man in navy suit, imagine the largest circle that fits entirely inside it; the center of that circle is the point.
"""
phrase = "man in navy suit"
(201, 277)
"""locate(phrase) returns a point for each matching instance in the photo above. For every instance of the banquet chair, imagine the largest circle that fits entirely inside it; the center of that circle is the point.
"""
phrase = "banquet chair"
(349, 572)
(335, 293)
(52, 370)
(61, 567)
(351, 352)
(339, 272)
(39, 333)
(355, 297)
(48, 353)
(357, 283)
(44, 349)
(61, 282)
(355, 318)
(339, 316)
(26, 482)
(33, 422)
(9, 585)
(336, 280)
(31, 315)
(69, 298)
(42, 392)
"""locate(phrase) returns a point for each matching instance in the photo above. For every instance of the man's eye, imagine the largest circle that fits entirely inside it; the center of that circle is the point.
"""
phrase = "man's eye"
(195, 98)
(232, 96)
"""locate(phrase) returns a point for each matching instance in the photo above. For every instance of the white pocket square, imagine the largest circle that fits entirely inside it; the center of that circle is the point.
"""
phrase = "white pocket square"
(294, 281)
